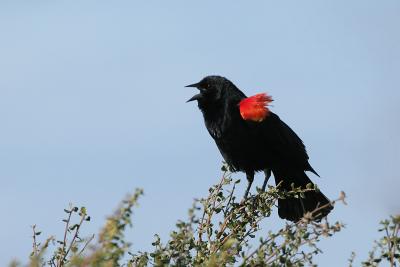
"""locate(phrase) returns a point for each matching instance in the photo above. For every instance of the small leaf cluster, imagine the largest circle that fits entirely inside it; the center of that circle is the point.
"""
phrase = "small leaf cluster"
(387, 248)
(70, 246)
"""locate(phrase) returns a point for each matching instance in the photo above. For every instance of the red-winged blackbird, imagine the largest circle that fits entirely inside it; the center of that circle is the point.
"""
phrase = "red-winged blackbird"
(251, 138)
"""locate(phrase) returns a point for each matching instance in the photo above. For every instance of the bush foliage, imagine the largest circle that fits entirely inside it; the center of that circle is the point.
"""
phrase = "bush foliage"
(221, 230)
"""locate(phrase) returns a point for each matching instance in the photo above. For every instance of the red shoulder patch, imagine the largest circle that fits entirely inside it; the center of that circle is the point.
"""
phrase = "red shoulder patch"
(255, 108)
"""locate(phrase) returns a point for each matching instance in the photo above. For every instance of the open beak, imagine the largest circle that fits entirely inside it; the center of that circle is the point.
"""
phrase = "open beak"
(195, 97)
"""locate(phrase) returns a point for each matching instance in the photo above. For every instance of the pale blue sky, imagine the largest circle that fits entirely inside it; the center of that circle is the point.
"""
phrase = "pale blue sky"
(92, 105)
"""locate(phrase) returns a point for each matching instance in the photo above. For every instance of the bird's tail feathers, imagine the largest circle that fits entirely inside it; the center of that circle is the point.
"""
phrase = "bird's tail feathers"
(292, 208)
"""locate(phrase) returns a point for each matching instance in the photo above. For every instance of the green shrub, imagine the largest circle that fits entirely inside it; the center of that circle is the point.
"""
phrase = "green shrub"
(220, 231)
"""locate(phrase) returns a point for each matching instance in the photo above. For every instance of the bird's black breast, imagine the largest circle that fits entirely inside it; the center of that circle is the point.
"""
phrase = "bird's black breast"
(236, 139)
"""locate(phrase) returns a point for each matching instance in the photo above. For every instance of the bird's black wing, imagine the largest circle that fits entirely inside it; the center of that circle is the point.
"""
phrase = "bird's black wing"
(284, 143)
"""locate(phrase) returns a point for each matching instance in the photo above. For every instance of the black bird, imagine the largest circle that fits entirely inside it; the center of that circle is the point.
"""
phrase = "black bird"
(251, 138)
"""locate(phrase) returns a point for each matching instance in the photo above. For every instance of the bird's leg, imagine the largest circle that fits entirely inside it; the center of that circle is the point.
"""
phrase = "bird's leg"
(267, 175)
(250, 179)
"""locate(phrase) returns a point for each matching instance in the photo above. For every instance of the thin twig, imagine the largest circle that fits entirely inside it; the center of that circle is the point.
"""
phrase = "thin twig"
(59, 262)
(35, 244)
(389, 243)
(86, 244)
(206, 204)
(230, 199)
(214, 195)
(394, 245)
(75, 236)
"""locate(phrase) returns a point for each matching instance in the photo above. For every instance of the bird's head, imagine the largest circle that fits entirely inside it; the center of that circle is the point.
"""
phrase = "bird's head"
(211, 89)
